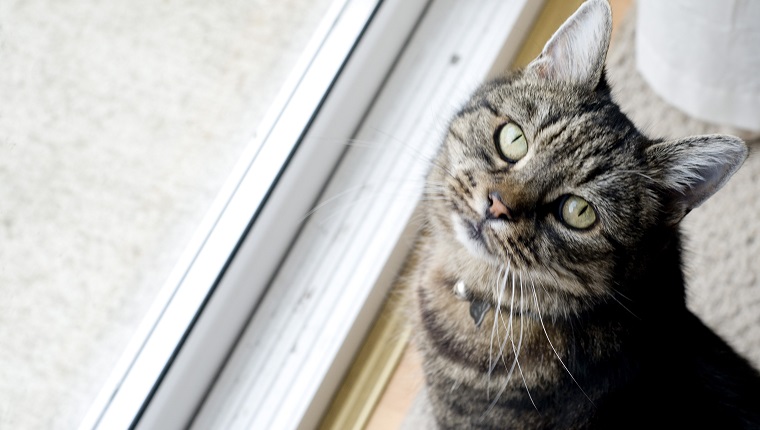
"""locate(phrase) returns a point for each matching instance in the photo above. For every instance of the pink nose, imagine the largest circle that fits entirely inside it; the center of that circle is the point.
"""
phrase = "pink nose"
(497, 209)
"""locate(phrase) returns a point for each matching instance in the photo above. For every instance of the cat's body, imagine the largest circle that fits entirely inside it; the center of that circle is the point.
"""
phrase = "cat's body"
(547, 282)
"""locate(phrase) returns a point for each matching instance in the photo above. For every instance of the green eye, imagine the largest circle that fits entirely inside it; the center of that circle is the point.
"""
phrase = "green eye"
(577, 213)
(510, 142)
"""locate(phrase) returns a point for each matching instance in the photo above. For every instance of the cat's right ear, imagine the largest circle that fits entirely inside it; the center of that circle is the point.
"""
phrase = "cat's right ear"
(692, 169)
(576, 52)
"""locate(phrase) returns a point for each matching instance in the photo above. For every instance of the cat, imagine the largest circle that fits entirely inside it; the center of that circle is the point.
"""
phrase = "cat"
(546, 282)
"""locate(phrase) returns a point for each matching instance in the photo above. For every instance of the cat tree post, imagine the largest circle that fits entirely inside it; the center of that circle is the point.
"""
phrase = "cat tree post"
(703, 57)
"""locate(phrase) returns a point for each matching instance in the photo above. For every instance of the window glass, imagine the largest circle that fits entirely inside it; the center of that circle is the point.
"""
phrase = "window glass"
(119, 122)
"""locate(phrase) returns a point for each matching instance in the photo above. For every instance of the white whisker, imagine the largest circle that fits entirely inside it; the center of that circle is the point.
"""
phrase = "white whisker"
(415, 152)
(492, 363)
(508, 328)
(508, 335)
(540, 318)
(365, 193)
(494, 329)
(612, 295)
(332, 199)
(519, 345)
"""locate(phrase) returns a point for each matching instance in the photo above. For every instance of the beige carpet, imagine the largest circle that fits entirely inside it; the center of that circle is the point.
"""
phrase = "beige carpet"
(722, 237)
(119, 121)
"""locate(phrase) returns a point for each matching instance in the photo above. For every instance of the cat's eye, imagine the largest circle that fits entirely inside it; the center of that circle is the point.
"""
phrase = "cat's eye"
(511, 142)
(577, 212)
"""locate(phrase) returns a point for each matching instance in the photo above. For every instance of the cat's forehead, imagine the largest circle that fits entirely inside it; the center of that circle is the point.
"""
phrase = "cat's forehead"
(532, 103)
(540, 108)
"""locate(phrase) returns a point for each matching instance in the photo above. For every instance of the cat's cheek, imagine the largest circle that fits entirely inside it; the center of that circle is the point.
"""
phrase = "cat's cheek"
(462, 234)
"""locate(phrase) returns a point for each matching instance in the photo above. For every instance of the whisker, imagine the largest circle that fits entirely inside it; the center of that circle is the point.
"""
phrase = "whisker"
(540, 318)
(495, 325)
(508, 378)
(508, 326)
(491, 362)
(373, 192)
(428, 160)
(519, 345)
(501, 350)
(400, 142)
(331, 199)
(343, 208)
(444, 169)
(415, 152)
(612, 295)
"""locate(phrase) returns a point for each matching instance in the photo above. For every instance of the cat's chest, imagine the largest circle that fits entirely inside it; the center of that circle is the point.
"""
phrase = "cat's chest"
(463, 330)
(505, 369)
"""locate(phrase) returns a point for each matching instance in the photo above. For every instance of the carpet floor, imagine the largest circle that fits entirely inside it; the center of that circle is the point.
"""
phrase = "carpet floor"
(119, 123)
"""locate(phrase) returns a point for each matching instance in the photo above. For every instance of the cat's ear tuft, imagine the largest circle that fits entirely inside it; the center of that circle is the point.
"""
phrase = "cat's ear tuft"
(692, 169)
(576, 52)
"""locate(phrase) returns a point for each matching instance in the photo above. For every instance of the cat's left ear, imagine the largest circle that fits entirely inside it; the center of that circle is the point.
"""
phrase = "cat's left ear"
(694, 168)
(576, 52)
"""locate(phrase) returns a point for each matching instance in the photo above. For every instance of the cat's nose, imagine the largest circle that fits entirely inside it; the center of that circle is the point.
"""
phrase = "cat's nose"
(497, 209)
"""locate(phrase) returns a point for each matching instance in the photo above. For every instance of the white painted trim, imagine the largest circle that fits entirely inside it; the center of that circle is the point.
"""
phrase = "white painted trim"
(301, 339)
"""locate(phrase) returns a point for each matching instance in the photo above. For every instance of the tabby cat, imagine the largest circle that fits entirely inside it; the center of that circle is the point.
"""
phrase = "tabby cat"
(547, 279)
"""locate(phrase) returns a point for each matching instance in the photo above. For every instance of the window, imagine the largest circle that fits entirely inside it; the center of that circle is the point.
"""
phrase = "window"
(191, 327)
(296, 347)
(119, 124)
(247, 310)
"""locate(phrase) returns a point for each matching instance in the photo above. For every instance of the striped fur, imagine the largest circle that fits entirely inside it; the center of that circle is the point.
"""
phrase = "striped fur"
(588, 328)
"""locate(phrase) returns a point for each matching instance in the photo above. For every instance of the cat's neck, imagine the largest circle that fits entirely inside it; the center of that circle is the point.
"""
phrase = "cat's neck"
(655, 271)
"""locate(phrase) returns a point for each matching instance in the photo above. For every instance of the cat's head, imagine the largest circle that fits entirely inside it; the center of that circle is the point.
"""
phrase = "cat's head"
(542, 173)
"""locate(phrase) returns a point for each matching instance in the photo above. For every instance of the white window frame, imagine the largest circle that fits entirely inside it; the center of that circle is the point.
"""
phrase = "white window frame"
(174, 364)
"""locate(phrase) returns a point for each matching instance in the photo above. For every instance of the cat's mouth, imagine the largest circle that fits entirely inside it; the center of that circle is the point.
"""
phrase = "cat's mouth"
(475, 231)
(473, 235)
